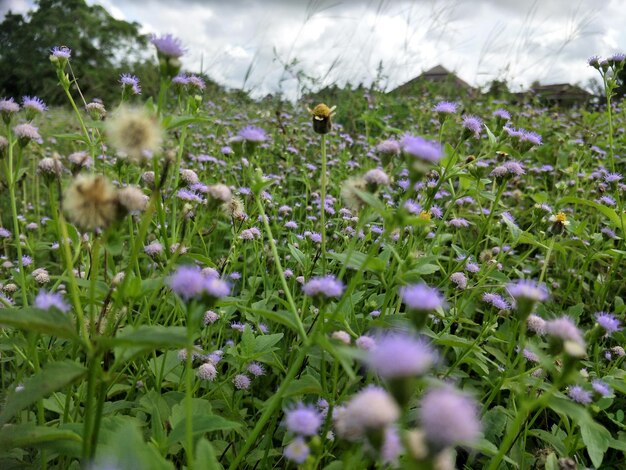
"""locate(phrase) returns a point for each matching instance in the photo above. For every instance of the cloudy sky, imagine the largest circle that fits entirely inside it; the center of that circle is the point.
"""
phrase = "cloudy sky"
(248, 43)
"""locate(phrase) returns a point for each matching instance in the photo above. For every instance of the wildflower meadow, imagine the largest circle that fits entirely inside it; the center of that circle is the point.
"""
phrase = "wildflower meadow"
(199, 282)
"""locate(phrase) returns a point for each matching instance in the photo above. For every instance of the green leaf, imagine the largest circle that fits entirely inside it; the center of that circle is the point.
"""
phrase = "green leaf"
(180, 121)
(55, 376)
(359, 261)
(492, 138)
(205, 456)
(264, 343)
(494, 422)
(307, 384)
(201, 425)
(597, 439)
(297, 254)
(51, 322)
(29, 435)
(151, 337)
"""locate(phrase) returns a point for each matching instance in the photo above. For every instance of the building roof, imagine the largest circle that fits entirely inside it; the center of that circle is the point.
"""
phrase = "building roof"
(437, 74)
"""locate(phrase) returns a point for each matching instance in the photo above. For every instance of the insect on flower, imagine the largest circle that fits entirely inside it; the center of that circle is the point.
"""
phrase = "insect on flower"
(322, 115)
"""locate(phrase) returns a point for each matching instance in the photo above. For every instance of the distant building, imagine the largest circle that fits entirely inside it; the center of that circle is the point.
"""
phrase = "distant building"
(447, 83)
(558, 94)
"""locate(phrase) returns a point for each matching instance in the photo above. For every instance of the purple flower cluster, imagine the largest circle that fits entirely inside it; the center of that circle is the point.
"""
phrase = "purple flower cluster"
(421, 297)
(189, 282)
(400, 354)
(168, 45)
(326, 286)
(46, 300)
(423, 149)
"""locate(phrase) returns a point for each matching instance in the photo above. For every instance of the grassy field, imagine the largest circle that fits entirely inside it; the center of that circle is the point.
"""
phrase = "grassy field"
(201, 282)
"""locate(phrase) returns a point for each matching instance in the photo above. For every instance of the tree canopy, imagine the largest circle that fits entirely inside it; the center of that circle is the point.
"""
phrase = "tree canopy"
(102, 47)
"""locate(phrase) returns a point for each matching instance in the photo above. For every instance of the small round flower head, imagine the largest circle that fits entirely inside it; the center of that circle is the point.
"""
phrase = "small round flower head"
(207, 371)
(33, 104)
(50, 166)
(91, 202)
(256, 369)
(46, 300)
(392, 446)
(210, 317)
(342, 337)
(371, 409)
(563, 328)
(514, 168)
(327, 286)
(187, 281)
(376, 177)
(61, 52)
(168, 45)
(496, 300)
(96, 110)
(422, 149)
(196, 82)
(536, 324)
(297, 451)
(560, 219)
(601, 388)
(220, 193)
(420, 297)
(445, 107)
(41, 276)
(460, 279)
(252, 134)
(134, 133)
(608, 322)
(502, 114)
(400, 354)
(8, 106)
(365, 342)
(579, 394)
(26, 132)
(216, 288)
(303, 420)
(389, 147)
(531, 137)
(449, 417)
(241, 382)
(154, 248)
(130, 82)
(472, 125)
(527, 289)
(80, 159)
(132, 199)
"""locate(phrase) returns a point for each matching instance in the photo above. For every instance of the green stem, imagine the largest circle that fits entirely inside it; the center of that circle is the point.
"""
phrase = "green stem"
(547, 260)
(323, 203)
(281, 273)
(188, 394)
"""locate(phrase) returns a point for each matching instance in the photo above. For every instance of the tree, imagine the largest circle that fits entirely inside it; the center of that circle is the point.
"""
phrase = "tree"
(102, 47)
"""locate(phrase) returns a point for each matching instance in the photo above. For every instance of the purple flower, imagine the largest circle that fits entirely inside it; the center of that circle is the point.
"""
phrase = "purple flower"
(389, 147)
(400, 355)
(536, 324)
(532, 137)
(370, 409)
(460, 279)
(496, 300)
(449, 417)
(327, 286)
(502, 114)
(458, 222)
(472, 124)
(187, 281)
(207, 371)
(168, 45)
(34, 104)
(61, 52)
(216, 288)
(256, 369)
(564, 329)
(130, 81)
(527, 289)
(241, 382)
(445, 107)
(252, 134)
(297, 451)
(421, 297)
(601, 388)
(421, 148)
(8, 106)
(579, 394)
(303, 420)
(608, 322)
(47, 300)
(26, 131)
